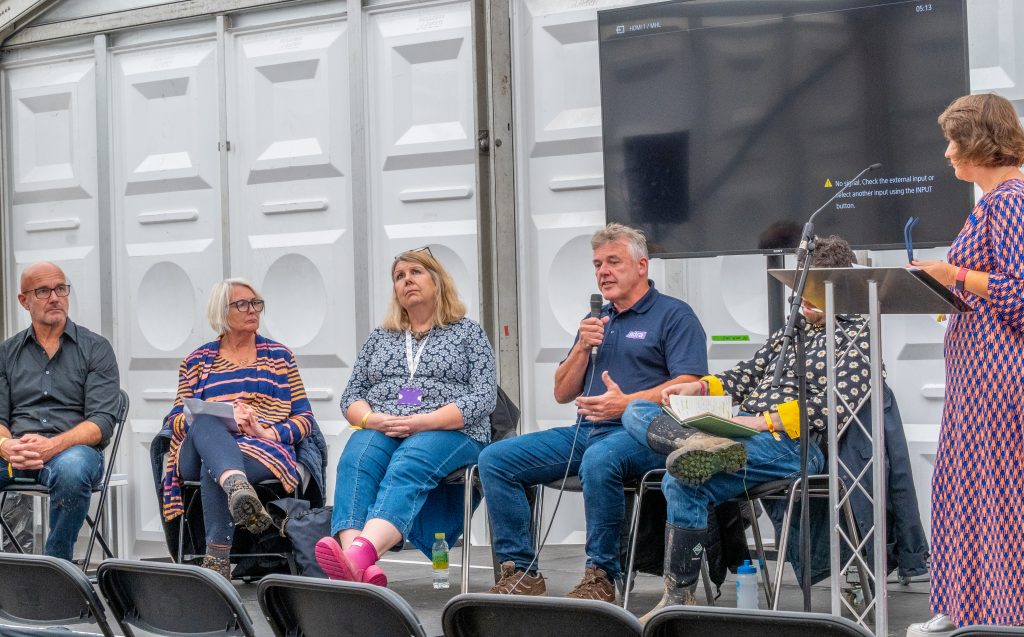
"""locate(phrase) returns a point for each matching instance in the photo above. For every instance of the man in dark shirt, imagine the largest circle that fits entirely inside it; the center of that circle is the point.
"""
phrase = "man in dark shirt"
(643, 342)
(58, 404)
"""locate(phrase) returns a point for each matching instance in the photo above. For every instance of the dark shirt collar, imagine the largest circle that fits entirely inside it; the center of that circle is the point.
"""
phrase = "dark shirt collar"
(70, 330)
(643, 304)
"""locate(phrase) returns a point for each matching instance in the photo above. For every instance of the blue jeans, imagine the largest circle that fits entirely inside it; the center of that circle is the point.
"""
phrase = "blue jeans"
(605, 458)
(70, 476)
(767, 459)
(386, 478)
(207, 452)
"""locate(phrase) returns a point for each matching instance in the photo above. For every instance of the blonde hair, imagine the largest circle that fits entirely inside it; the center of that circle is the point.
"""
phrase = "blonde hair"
(613, 232)
(220, 296)
(448, 307)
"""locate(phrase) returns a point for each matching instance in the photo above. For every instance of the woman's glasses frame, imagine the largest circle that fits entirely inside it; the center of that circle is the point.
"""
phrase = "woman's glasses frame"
(243, 305)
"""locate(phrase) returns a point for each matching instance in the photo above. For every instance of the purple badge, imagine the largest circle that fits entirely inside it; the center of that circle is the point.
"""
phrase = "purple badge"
(412, 396)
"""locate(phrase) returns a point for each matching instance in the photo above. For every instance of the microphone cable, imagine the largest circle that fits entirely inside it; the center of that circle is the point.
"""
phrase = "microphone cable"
(561, 487)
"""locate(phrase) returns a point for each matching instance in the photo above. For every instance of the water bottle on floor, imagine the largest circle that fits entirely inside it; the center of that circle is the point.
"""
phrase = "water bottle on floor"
(746, 586)
(439, 557)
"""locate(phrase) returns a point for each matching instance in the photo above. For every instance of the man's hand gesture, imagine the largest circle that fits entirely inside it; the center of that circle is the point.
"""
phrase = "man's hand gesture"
(606, 406)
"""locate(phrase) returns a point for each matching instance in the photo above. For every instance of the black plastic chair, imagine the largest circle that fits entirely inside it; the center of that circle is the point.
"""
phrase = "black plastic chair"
(172, 599)
(705, 621)
(483, 614)
(988, 631)
(305, 607)
(103, 488)
(39, 590)
(504, 424)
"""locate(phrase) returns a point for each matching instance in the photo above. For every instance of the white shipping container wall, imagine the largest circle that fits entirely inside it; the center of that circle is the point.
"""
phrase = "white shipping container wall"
(116, 166)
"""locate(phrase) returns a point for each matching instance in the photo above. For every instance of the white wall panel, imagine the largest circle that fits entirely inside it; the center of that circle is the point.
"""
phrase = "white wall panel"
(422, 144)
(291, 219)
(166, 197)
(50, 121)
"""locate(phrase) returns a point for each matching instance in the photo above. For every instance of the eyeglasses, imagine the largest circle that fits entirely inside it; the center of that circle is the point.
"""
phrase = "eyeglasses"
(61, 290)
(244, 305)
(422, 249)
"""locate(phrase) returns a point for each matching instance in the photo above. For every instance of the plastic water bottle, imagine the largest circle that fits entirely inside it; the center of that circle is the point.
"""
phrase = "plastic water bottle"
(746, 586)
(439, 557)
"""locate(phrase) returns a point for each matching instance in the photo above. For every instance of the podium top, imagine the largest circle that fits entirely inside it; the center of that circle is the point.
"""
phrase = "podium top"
(900, 290)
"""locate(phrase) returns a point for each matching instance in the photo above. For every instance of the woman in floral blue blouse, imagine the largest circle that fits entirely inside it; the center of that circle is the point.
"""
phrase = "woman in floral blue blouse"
(420, 399)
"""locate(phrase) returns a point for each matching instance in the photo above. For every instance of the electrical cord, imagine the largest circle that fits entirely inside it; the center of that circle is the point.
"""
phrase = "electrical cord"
(561, 487)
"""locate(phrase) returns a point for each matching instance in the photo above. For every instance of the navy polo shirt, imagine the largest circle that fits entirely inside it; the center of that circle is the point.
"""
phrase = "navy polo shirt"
(657, 339)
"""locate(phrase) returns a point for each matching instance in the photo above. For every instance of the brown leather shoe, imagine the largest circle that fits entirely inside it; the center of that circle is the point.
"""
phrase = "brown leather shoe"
(519, 582)
(595, 585)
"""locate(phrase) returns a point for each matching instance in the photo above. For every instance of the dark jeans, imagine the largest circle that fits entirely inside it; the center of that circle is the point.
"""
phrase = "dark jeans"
(208, 451)
(70, 476)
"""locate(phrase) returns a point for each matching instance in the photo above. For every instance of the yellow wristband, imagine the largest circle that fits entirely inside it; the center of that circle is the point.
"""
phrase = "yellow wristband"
(362, 421)
(771, 425)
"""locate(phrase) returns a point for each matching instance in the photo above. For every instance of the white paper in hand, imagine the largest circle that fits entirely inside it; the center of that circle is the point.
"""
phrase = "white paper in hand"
(223, 412)
(688, 406)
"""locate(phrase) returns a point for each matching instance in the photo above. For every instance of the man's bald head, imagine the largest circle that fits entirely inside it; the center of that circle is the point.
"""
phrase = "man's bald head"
(46, 310)
(38, 270)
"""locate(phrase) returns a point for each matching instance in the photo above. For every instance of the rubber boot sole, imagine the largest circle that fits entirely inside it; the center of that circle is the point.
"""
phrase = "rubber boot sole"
(697, 464)
(247, 511)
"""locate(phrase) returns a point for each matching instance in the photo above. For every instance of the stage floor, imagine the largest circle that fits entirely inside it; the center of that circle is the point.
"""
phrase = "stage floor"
(409, 575)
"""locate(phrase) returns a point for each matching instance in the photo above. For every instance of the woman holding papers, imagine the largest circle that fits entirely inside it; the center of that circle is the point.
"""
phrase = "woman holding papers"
(978, 485)
(419, 398)
(704, 469)
(271, 414)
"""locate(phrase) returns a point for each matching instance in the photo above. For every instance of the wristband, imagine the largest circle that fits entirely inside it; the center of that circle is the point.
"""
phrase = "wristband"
(705, 388)
(961, 278)
(362, 421)
(771, 425)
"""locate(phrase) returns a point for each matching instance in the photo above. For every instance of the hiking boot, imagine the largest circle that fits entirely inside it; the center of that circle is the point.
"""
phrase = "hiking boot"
(684, 550)
(246, 509)
(699, 456)
(221, 565)
(595, 585)
(519, 582)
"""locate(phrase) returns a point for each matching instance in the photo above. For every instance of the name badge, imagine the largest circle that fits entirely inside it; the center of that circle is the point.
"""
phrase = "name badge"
(411, 396)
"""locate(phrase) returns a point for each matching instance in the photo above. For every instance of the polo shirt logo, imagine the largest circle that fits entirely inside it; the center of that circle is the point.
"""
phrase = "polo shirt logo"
(637, 334)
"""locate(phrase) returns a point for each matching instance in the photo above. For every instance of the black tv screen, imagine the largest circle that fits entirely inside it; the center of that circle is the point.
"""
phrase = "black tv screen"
(728, 122)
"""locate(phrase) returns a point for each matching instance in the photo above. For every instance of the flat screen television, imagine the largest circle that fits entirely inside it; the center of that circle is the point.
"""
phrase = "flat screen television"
(728, 122)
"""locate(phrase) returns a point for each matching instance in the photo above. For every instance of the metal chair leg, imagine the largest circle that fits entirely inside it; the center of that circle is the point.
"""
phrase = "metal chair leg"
(755, 527)
(783, 542)
(467, 521)
(7, 529)
(634, 528)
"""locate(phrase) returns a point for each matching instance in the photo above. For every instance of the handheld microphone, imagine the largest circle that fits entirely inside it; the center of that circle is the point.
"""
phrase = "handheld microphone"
(596, 301)
(808, 233)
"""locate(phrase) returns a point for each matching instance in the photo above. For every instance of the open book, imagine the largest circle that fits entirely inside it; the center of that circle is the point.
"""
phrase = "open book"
(710, 414)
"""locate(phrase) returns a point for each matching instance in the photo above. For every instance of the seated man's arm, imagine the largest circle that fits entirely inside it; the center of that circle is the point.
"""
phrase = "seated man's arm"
(571, 372)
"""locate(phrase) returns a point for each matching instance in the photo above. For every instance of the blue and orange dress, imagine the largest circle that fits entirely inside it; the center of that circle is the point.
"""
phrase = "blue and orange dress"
(271, 386)
(978, 483)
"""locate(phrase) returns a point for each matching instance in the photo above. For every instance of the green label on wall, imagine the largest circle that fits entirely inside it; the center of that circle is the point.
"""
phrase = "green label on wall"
(720, 338)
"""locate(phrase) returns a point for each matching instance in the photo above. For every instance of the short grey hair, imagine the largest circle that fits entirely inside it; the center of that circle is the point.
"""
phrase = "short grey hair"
(617, 232)
(220, 296)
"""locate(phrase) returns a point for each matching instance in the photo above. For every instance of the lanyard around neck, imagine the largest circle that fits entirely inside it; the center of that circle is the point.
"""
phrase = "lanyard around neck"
(413, 362)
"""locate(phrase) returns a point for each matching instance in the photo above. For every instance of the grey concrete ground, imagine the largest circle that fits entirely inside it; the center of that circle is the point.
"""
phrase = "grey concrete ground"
(409, 574)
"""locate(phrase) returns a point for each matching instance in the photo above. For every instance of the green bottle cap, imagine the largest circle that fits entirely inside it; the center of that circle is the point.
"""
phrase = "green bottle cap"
(439, 536)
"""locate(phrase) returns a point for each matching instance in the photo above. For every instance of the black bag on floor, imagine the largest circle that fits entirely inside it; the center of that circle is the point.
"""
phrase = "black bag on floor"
(302, 526)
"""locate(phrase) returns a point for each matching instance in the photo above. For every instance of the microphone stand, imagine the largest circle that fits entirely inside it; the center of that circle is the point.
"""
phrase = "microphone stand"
(804, 254)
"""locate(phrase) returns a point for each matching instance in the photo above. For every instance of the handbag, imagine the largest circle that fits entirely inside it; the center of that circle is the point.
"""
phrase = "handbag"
(302, 526)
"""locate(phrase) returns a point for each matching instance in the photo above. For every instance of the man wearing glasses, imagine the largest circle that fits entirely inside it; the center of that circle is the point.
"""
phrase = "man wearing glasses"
(58, 404)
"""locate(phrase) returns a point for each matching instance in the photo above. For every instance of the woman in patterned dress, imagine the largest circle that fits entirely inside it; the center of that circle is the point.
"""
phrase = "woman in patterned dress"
(978, 484)
(260, 378)
(419, 398)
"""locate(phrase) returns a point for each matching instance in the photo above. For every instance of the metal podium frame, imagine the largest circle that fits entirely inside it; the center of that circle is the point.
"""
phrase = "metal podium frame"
(870, 291)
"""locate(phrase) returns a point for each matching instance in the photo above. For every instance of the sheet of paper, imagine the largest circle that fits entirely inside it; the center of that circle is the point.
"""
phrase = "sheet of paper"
(223, 412)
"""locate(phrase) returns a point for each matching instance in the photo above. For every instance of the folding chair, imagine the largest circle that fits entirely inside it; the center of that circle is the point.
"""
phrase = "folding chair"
(988, 631)
(104, 486)
(39, 590)
(705, 621)
(504, 423)
(483, 614)
(304, 607)
(172, 599)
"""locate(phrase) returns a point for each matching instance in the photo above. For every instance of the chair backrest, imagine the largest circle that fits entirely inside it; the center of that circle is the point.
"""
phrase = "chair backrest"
(172, 599)
(707, 621)
(504, 418)
(483, 614)
(48, 591)
(308, 607)
(988, 631)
